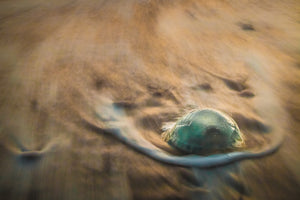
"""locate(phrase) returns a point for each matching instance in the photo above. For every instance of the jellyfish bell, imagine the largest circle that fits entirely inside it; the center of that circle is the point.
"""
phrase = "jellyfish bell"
(205, 130)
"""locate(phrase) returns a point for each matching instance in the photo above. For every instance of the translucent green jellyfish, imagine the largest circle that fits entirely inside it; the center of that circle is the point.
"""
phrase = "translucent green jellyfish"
(204, 130)
(200, 129)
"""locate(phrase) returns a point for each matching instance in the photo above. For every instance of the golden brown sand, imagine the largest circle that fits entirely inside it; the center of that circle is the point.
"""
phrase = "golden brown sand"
(62, 60)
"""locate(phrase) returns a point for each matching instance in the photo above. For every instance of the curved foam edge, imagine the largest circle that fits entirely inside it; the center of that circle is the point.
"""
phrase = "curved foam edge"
(122, 129)
(148, 149)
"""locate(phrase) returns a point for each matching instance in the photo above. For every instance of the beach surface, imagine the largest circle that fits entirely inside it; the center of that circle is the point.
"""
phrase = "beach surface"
(67, 65)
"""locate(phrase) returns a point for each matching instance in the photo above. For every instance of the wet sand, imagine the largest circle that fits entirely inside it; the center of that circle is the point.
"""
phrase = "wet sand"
(62, 63)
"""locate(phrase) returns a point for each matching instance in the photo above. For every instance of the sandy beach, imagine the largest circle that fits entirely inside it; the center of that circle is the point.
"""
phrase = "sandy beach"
(68, 68)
